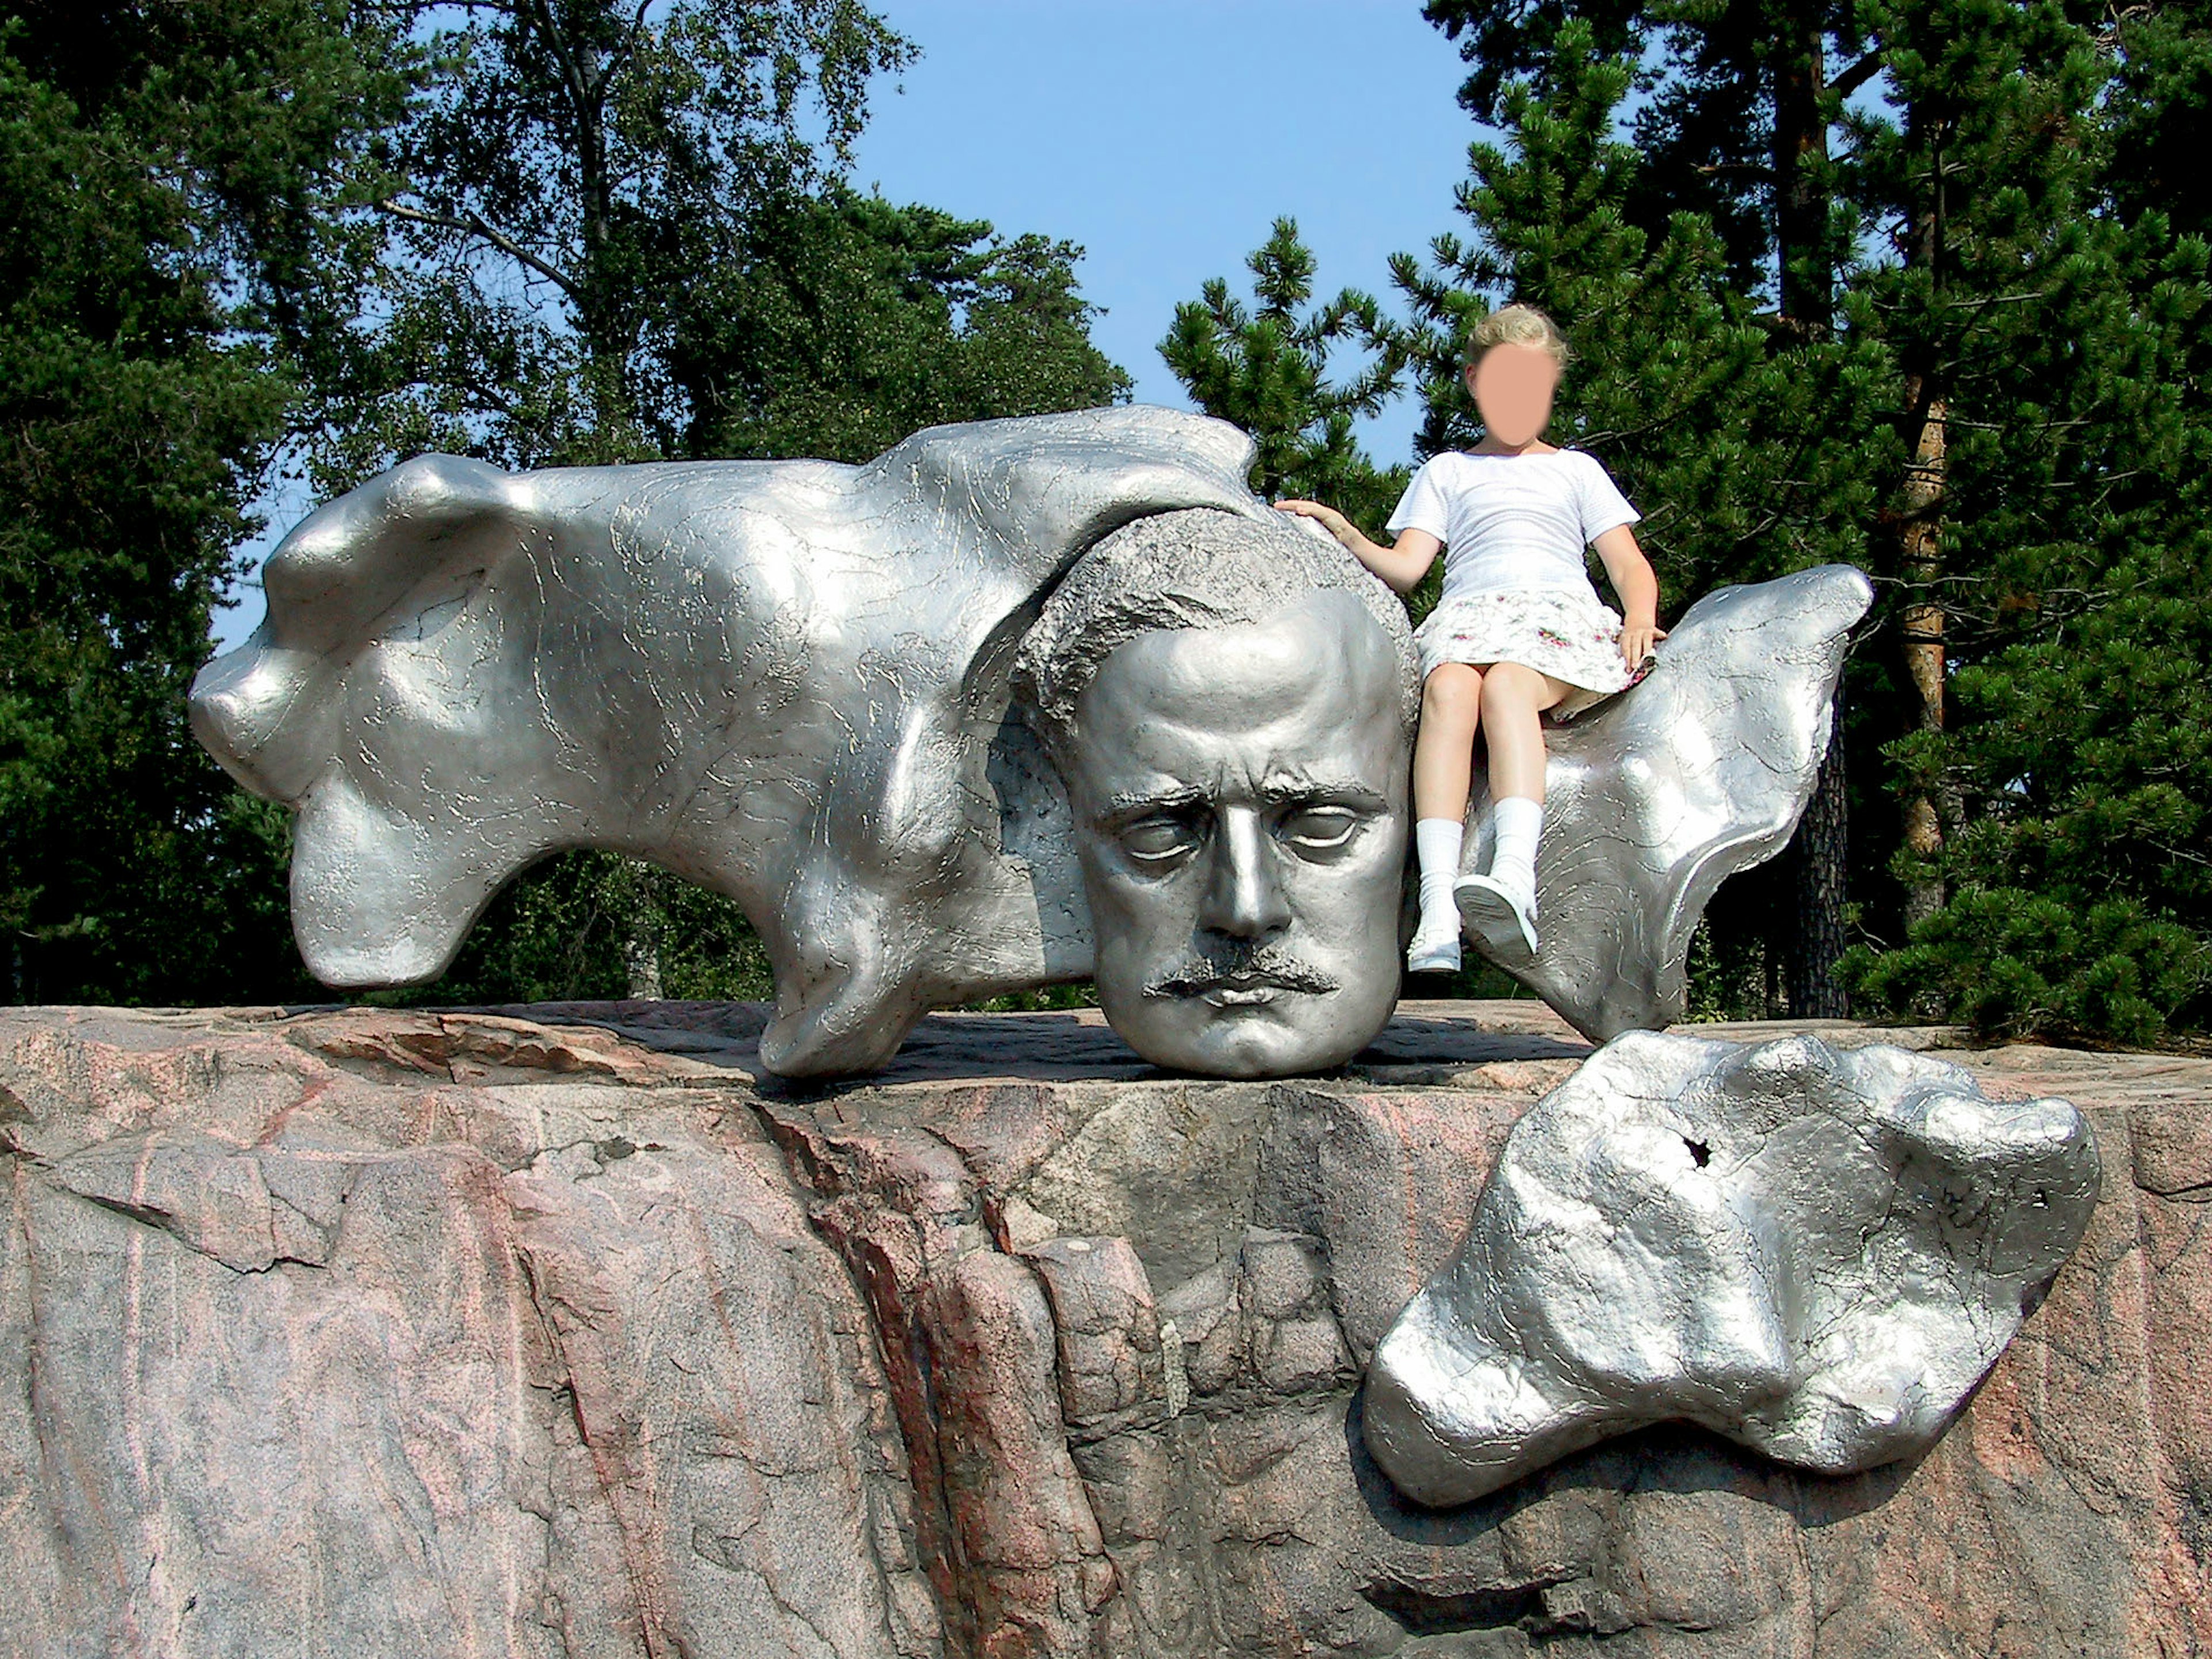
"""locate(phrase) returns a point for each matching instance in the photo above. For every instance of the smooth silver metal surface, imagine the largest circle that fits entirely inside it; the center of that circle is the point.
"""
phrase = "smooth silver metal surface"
(785, 681)
(1653, 798)
(1231, 705)
(792, 682)
(1817, 1252)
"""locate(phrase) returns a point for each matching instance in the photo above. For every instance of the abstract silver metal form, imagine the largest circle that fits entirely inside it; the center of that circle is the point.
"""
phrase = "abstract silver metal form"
(1818, 1253)
(785, 681)
(794, 683)
(1652, 799)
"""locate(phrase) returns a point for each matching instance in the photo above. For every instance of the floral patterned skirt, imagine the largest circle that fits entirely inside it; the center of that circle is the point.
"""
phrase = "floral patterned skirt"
(1573, 637)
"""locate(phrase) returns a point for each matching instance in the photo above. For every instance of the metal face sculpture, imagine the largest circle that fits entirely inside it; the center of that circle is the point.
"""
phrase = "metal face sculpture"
(785, 681)
(1239, 817)
(1231, 705)
(1819, 1254)
(848, 696)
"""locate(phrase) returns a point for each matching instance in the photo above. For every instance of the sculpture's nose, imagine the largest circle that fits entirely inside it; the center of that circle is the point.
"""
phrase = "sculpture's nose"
(1244, 896)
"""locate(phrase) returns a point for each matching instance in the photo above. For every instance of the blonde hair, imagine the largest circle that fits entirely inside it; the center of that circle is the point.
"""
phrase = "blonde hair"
(1517, 325)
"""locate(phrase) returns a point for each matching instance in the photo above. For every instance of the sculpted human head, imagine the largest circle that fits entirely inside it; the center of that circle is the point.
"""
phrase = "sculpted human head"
(1229, 704)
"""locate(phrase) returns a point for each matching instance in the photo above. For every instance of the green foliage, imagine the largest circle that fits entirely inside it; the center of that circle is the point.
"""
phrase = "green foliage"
(1721, 109)
(846, 324)
(620, 235)
(177, 221)
(565, 177)
(567, 929)
(1265, 366)
(2016, 962)
(2160, 114)
(2064, 327)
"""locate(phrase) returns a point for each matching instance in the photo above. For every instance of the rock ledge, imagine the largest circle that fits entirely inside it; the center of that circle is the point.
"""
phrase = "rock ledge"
(560, 1332)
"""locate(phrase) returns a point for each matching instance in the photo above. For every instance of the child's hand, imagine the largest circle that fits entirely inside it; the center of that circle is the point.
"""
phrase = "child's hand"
(1637, 639)
(1326, 517)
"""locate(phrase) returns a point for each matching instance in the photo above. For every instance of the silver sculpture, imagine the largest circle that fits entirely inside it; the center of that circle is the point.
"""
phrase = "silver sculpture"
(1231, 705)
(1818, 1253)
(1653, 798)
(785, 681)
(794, 683)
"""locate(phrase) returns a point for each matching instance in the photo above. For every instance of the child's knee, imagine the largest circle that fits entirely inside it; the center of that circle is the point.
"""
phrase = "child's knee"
(1452, 691)
(1511, 685)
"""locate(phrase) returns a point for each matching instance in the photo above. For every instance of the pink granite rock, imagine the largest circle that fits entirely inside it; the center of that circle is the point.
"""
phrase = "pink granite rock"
(552, 1333)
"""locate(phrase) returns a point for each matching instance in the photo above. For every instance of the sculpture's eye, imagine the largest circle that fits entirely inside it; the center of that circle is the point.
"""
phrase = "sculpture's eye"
(1157, 841)
(1311, 829)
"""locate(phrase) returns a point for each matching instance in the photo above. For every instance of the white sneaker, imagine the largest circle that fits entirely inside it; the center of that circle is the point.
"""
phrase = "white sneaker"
(1434, 950)
(1505, 920)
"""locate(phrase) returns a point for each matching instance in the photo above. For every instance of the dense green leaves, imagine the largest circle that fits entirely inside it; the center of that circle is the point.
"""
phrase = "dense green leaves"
(846, 322)
(242, 234)
(1267, 366)
(178, 222)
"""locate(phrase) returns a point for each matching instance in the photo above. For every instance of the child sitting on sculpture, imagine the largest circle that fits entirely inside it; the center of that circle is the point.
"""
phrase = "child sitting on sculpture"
(1519, 632)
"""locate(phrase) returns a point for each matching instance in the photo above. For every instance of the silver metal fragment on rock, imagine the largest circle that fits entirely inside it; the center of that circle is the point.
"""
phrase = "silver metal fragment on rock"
(1816, 1253)
(1701, 769)
(785, 681)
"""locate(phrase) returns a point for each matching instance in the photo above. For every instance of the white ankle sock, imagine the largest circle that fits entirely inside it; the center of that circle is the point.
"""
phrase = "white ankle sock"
(1436, 843)
(1520, 826)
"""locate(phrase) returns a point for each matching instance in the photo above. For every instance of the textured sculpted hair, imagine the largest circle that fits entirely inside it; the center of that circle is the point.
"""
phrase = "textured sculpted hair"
(1517, 325)
(1198, 567)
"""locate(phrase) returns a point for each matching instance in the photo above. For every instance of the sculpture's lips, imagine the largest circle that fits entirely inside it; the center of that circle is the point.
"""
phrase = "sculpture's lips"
(1226, 995)
(1241, 987)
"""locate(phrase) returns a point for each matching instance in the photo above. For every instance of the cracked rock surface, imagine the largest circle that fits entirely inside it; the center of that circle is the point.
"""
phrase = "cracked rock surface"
(556, 1333)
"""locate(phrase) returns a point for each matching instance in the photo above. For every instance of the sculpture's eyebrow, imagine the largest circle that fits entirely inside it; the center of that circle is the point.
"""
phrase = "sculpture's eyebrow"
(1322, 792)
(1134, 802)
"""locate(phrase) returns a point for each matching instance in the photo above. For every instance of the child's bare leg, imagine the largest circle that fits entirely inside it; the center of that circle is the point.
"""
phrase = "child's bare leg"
(1444, 752)
(1514, 698)
(1443, 770)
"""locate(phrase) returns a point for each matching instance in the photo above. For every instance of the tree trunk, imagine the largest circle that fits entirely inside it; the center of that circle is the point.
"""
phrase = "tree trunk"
(1819, 867)
(1920, 548)
(1922, 566)
(632, 894)
(1807, 284)
(641, 959)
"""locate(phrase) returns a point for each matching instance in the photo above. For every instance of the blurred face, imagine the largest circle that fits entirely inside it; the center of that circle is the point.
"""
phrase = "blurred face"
(1513, 386)
(1238, 794)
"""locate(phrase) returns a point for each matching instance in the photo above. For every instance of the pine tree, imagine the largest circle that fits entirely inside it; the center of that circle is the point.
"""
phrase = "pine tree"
(2053, 327)
(1266, 367)
(181, 187)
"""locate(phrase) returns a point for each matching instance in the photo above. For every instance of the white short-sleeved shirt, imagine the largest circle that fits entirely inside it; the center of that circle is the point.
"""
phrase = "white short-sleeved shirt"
(1514, 521)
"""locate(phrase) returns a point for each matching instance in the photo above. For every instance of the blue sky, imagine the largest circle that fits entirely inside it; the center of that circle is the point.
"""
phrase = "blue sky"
(1165, 137)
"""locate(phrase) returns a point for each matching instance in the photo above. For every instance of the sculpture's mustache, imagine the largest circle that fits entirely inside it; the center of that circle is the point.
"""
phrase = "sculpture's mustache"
(1253, 968)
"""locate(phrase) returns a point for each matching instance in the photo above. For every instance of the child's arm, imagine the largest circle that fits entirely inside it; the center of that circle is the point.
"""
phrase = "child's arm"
(1637, 586)
(1402, 566)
